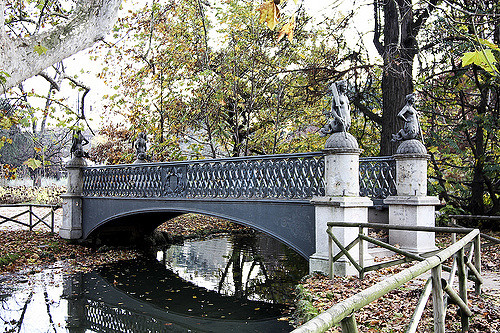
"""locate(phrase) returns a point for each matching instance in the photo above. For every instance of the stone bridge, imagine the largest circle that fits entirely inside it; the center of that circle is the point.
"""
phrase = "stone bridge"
(269, 193)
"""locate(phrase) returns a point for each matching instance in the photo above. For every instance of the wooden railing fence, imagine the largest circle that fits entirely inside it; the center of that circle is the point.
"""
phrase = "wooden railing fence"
(33, 218)
(466, 254)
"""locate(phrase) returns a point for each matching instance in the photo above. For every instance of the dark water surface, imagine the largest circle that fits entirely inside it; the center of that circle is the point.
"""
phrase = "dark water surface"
(228, 284)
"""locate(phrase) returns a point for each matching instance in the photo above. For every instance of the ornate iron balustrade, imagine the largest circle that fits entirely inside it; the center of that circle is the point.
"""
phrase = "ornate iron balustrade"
(287, 176)
(377, 177)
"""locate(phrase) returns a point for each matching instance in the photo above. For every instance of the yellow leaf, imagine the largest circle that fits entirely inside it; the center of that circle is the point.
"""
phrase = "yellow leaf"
(33, 163)
(40, 49)
(287, 29)
(482, 58)
(269, 13)
(488, 44)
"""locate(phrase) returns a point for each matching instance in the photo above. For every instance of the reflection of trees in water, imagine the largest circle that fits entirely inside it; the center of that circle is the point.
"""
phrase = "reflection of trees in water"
(11, 324)
(113, 300)
(261, 276)
(14, 307)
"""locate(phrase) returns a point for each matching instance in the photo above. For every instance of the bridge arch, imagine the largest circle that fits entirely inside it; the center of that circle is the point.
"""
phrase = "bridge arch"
(290, 221)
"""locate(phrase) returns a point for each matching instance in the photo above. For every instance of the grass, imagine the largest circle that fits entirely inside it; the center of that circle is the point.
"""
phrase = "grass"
(8, 259)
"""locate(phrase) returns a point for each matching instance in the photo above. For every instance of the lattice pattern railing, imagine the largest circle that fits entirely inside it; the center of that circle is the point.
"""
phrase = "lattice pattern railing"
(102, 317)
(295, 176)
(288, 176)
(377, 177)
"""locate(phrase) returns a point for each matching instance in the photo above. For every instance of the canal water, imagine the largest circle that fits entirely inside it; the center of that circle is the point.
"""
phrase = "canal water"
(234, 283)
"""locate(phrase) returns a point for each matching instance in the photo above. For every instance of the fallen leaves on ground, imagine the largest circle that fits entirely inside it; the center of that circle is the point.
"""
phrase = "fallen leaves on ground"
(23, 194)
(25, 250)
(392, 312)
(22, 249)
(193, 225)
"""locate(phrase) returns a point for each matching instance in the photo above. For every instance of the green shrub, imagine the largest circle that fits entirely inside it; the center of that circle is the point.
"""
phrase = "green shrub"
(8, 258)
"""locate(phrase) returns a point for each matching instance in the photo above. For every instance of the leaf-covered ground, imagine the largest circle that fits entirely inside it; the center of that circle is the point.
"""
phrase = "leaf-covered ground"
(22, 250)
(392, 312)
(24, 194)
(193, 225)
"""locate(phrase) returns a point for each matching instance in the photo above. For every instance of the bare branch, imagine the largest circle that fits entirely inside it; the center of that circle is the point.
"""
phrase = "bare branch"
(2, 20)
(40, 18)
(423, 16)
(367, 112)
(376, 36)
(53, 84)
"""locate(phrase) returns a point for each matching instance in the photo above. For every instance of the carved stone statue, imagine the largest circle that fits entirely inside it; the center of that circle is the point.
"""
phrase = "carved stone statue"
(411, 127)
(140, 146)
(77, 144)
(340, 111)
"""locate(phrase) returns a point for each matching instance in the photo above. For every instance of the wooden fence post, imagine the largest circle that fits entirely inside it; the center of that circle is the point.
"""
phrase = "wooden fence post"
(462, 285)
(31, 217)
(477, 261)
(361, 253)
(52, 219)
(437, 300)
(330, 253)
(348, 324)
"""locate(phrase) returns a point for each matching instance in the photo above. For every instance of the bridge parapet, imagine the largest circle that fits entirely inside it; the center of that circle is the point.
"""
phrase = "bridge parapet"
(285, 176)
(377, 178)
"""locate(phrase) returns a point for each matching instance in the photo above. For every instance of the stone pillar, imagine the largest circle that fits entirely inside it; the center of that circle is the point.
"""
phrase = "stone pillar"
(72, 200)
(341, 203)
(411, 206)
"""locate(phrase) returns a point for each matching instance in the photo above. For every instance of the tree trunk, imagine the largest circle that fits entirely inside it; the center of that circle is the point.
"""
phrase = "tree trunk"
(398, 52)
(22, 58)
(395, 86)
(477, 206)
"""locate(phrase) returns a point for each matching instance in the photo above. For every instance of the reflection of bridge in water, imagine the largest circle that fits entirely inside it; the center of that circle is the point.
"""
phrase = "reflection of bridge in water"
(112, 301)
(267, 193)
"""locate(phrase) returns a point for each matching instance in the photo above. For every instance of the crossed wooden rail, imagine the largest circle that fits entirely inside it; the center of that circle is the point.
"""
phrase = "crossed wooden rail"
(343, 312)
(33, 218)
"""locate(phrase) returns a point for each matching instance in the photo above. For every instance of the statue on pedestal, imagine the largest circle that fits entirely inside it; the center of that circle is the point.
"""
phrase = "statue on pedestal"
(140, 146)
(340, 111)
(411, 127)
(77, 145)
(411, 130)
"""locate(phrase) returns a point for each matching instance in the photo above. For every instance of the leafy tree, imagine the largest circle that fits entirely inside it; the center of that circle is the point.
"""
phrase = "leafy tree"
(113, 146)
(227, 86)
(461, 98)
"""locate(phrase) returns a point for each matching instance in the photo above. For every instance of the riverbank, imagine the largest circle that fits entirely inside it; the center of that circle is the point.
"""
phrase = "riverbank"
(28, 253)
(22, 250)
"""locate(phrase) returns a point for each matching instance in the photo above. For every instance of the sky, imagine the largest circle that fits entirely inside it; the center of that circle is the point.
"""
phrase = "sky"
(86, 69)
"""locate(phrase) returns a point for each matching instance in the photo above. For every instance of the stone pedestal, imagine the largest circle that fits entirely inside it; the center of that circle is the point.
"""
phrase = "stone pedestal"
(341, 203)
(412, 211)
(412, 206)
(71, 227)
(338, 209)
